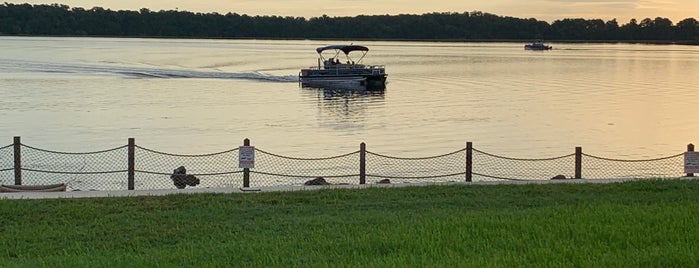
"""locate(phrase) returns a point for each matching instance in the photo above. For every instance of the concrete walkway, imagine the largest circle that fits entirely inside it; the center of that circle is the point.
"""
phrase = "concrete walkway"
(229, 190)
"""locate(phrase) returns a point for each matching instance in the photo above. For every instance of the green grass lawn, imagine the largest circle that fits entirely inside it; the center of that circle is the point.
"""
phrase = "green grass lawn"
(632, 224)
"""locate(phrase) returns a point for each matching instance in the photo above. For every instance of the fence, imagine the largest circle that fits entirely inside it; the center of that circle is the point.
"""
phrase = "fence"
(135, 167)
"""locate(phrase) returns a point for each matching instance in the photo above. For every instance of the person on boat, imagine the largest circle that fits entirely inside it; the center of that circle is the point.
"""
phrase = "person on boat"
(337, 61)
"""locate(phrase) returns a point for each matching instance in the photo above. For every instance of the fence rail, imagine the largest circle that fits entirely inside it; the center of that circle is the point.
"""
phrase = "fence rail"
(135, 167)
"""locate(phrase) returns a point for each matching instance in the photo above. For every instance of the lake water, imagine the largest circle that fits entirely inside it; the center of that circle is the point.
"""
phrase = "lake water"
(628, 101)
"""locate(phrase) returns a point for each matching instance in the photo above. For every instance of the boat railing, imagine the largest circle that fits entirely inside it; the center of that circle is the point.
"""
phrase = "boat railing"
(346, 66)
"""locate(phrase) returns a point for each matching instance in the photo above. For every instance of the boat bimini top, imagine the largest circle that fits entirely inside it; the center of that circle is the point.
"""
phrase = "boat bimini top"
(346, 49)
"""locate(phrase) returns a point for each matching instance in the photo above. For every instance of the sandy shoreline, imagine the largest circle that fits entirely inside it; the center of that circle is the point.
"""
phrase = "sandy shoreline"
(230, 190)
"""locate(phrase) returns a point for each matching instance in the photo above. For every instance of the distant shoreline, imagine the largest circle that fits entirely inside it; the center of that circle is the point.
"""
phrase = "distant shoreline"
(649, 42)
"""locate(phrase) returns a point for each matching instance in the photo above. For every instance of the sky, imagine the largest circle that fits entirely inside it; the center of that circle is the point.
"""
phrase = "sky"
(547, 10)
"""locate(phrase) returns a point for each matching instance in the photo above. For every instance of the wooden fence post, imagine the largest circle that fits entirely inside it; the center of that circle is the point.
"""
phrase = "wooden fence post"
(18, 160)
(132, 164)
(690, 148)
(362, 163)
(246, 171)
(469, 161)
(578, 162)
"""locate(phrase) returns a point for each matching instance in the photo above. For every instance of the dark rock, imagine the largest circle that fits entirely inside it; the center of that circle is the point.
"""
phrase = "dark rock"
(181, 179)
(384, 181)
(559, 177)
(317, 181)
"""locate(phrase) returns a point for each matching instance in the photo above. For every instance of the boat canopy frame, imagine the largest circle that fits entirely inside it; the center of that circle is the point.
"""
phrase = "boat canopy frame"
(346, 49)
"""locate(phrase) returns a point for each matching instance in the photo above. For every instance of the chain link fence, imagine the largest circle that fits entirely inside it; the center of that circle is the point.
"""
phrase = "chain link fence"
(7, 165)
(448, 167)
(99, 170)
(491, 167)
(154, 169)
(273, 169)
(595, 167)
(136, 167)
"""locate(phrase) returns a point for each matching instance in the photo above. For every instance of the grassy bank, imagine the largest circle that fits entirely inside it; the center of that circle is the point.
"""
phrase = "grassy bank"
(648, 223)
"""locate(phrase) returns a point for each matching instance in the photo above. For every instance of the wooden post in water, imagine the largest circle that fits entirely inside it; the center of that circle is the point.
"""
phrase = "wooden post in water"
(469, 161)
(690, 148)
(362, 163)
(578, 162)
(246, 171)
(131, 176)
(18, 160)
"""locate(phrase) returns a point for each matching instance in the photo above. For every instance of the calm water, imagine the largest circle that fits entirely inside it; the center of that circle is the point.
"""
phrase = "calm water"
(629, 101)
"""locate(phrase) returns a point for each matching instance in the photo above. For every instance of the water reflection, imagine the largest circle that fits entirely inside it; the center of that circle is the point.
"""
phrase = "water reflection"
(346, 102)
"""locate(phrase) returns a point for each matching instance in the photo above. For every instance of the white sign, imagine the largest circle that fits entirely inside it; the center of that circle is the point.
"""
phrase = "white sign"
(691, 162)
(246, 157)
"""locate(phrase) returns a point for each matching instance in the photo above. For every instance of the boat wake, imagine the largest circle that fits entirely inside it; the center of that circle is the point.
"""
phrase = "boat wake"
(136, 72)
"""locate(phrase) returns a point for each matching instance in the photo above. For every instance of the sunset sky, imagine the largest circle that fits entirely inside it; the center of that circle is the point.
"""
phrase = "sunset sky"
(548, 10)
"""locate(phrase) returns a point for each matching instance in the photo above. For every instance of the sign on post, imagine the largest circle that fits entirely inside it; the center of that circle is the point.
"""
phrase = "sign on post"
(691, 162)
(246, 157)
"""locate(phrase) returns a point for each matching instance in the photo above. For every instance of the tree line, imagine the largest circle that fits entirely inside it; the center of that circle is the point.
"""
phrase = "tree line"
(62, 20)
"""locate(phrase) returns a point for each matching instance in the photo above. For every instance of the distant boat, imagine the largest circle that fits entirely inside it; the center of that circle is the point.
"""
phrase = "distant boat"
(346, 73)
(537, 45)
